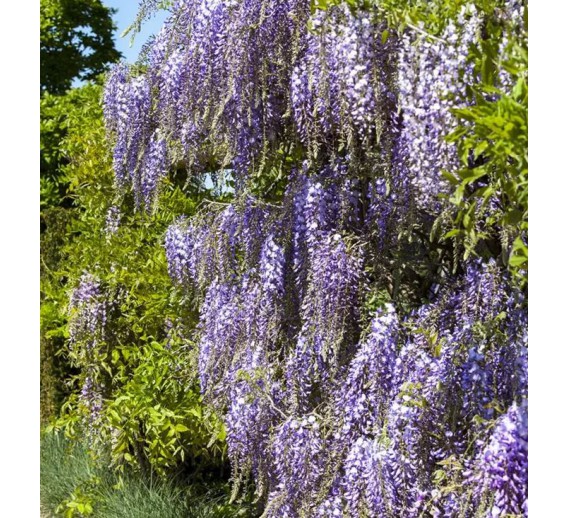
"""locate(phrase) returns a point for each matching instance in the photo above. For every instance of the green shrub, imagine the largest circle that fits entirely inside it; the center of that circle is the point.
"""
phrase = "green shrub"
(152, 414)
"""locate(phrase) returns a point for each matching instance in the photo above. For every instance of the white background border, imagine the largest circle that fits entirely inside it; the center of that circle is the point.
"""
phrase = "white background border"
(19, 257)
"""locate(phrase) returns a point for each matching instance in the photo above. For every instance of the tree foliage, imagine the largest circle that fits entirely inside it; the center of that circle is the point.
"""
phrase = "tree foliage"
(76, 42)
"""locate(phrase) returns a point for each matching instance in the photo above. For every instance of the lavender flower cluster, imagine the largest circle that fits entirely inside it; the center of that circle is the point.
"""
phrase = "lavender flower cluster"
(342, 84)
(268, 68)
(88, 311)
(329, 417)
(239, 54)
(256, 63)
(433, 75)
(262, 73)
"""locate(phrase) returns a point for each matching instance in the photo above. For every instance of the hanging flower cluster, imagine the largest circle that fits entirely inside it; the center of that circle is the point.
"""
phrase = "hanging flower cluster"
(112, 221)
(88, 311)
(216, 88)
(500, 471)
(88, 314)
(225, 79)
(433, 75)
(343, 83)
(327, 415)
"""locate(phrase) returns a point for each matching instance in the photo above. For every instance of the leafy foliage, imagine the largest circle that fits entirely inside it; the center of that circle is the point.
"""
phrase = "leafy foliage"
(152, 413)
(492, 188)
(53, 329)
(76, 42)
(55, 118)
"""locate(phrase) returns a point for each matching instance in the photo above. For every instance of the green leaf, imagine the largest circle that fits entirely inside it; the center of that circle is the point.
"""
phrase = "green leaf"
(196, 412)
(470, 175)
(517, 260)
(451, 233)
(480, 148)
(450, 177)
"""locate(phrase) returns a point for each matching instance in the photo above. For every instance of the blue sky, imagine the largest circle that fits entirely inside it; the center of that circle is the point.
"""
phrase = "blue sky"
(125, 15)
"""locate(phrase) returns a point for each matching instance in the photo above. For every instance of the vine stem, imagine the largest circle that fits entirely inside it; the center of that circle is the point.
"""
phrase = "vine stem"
(422, 31)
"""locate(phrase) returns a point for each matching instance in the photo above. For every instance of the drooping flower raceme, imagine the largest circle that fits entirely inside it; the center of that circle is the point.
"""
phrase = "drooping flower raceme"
(298, 459)
(432, 78)
(364, 397)
(88, 312)
(339, 86)
(500, 472)
(112, 220)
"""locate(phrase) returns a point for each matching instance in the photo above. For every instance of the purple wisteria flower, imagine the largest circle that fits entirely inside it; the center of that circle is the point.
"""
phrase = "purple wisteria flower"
(91, 397)
(339, 85)
(432, 78)
(298, 458)
(364, 396)
(112, 221)
(500, 472)
(88, 313)
(219, 316)
(364, 480)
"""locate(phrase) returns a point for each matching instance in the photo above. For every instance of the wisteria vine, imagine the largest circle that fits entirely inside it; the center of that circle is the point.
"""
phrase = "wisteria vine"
(333, 407)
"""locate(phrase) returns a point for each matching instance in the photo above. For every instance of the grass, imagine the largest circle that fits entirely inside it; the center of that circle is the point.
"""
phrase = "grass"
(73, 486)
